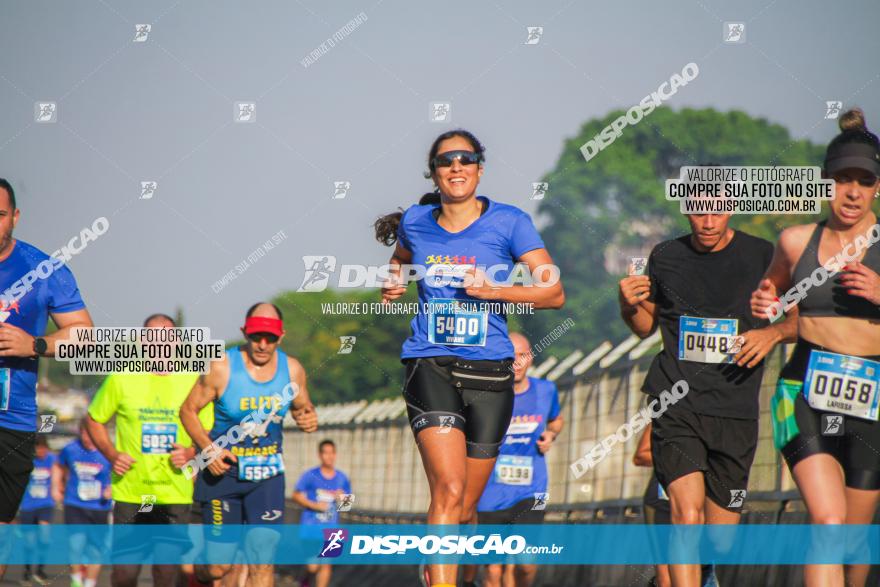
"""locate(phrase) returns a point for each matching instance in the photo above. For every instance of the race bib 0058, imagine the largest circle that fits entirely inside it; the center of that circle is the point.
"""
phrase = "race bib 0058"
(842, 384)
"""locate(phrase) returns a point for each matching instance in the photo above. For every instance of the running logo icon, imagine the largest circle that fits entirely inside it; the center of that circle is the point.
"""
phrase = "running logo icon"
(148, 189)
(45, 112)
(539, 190)
(832, 109)
(47, 422)
(346, 500)
(346, 345)
(420, 423)
(737, 498)
(541, 500)
(734, 32)
(832, 425)
(147, 503)
(446, 423)
(318, 270)
(141, 31)
(333, 543)
(534, 35)
(245, 111)
(441, 112)
(271, 516)
(340, 189)
(637, 265)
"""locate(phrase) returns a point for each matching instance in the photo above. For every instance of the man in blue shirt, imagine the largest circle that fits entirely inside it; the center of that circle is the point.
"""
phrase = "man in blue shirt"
(517, 490)
(319, 492)
(33, 288)
(83, 484)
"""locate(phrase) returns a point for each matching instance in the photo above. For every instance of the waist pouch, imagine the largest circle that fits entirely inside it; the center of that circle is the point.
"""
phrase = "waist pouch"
(478, 375)
(785, 426)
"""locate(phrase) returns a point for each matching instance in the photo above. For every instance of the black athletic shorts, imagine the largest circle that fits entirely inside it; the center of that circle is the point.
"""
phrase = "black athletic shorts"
(128, 542)
(683, 442)
(519, 513)
(37, 516)
(856, 449)
(78, 515)
(16, 463)
(475, 397)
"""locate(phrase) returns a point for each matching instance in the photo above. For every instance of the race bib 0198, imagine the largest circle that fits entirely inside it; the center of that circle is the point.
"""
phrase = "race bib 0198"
(456, 322)
(842, 384)
(706, 340)
(514, 470)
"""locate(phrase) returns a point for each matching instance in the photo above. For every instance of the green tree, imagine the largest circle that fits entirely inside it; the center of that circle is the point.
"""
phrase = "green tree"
(597, 212)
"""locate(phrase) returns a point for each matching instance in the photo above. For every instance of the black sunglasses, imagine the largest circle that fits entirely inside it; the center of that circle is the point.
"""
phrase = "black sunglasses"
(464, 157)
(258, 336)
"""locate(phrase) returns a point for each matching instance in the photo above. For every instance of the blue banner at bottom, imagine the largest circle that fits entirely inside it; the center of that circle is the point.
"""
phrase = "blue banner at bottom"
(548, 544)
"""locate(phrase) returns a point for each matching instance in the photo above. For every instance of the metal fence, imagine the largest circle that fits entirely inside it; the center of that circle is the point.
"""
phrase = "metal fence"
(377, 451)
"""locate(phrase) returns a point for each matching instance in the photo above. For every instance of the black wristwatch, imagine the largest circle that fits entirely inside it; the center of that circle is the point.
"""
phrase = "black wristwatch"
(40, 346)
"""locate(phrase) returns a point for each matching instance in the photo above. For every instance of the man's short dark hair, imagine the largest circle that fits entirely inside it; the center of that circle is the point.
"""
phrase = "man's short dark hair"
(158, 316)
(253, 309)
(8, 187)
(326, 442)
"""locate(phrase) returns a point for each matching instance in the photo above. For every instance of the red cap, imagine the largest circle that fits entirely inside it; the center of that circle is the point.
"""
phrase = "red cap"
(263, 324)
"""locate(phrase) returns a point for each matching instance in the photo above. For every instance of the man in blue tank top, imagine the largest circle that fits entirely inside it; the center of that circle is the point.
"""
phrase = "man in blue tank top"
(33, 287)
(240, 467)
(516, 493)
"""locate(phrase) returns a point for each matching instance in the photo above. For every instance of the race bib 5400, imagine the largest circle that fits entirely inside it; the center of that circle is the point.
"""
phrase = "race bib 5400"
(456, 322)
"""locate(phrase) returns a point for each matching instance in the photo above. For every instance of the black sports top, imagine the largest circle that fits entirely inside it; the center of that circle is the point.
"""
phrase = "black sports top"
(830, 298)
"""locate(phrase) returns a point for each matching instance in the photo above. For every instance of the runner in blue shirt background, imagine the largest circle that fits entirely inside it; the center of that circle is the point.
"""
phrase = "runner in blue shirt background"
(517, 490)
(459, 380)
(320, 491)
(37, 507)
(82, 482)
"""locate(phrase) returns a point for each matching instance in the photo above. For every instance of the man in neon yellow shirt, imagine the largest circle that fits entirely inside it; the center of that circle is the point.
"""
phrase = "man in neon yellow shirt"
(150, 449)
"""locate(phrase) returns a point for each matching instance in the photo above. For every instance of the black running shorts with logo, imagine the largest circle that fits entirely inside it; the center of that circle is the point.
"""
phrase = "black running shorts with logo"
(16, 463)
(475, 397)
(684, 442)
(855, 448)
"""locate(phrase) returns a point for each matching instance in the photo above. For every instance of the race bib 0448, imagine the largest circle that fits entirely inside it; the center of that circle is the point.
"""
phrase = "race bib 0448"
(706, 340)
(456, 322)
(842, 384)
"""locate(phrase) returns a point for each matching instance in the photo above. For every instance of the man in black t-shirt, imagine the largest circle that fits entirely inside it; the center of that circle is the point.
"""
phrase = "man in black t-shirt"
(698, 290)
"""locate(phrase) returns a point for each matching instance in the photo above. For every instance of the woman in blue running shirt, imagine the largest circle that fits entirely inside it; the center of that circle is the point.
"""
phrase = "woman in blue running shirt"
(469, 256)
